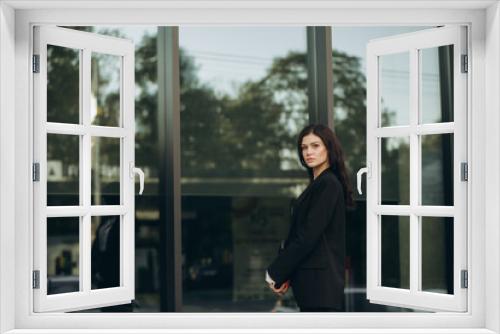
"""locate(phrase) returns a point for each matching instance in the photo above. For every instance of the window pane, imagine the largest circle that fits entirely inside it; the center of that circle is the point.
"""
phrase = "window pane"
(395, 169)
(243, 101)
(394, 89)
(63, 181)
(105, 88)
(436, 84)
(437, 254)
(63, 84)
(437, 169)
(63, 235)
(105, 171)
(395, 252)
(105, 260)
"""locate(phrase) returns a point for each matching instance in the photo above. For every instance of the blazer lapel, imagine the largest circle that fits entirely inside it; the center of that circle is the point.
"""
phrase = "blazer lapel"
(302, 196)
(310, 186)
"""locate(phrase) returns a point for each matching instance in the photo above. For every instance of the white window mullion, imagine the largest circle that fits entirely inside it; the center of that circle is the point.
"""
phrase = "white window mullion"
(393, 131)
(78, 129)
(106, 131)
(421, 129)
(85, 157)
(393, 210)
(126, 155)
(65, 129)
(65, 211)
(85, 171)
(414, 172)
(128, 158)
(406, 210)
(372, 180)
(436, 128)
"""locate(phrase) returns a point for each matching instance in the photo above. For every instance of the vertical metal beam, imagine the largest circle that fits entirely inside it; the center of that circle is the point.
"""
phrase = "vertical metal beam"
(169, 173)
(319, 68)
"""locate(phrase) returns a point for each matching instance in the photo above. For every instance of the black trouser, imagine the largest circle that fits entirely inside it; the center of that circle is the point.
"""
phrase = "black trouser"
(319, 309)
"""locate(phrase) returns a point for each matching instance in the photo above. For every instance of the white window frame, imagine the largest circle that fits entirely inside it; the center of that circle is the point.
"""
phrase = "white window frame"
(86, 44)
(16, 20)
(412, 43)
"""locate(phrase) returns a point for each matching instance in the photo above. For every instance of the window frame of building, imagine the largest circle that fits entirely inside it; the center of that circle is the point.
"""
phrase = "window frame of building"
(16, 21)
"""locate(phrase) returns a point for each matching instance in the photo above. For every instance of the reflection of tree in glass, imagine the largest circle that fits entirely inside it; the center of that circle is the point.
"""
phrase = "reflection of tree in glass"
(63, 102)
(349, 105)
(395, 169)
(242, 135)
(246, 135)
(64, 148)
(63, 85)
(105, 89)
(437, 169)
(263, 120)
(387, 116)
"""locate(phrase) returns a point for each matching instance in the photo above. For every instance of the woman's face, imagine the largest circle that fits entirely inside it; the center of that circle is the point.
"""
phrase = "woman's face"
(314, 151)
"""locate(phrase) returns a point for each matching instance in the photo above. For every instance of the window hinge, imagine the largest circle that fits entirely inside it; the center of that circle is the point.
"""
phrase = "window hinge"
(465, 64)
(36, 279)
(464, 279)
(464, 171)
(36, 172)
(36, 63)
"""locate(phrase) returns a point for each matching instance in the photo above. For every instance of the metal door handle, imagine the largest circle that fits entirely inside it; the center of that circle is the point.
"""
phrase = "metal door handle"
(363, 170)
(134, 170)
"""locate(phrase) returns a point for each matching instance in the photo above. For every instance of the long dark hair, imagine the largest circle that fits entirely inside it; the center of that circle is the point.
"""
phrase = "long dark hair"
(335, 157)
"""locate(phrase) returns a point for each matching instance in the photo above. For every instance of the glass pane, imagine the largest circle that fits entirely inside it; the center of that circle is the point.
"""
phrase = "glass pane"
(436, 84)
(105, 260)
(63, 181)
(394, 89)
(238, 86)
(437, 169)
(437, 254)
(63, 235)
(211, 58)
(395, 169)
(105, 97)
(105, 171)
(395, 251)
(63, 84)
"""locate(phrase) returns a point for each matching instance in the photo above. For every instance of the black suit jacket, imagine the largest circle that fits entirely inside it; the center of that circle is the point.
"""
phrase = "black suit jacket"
(313, 258)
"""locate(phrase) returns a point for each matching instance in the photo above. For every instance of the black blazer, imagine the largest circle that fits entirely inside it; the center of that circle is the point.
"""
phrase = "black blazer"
(313, 258)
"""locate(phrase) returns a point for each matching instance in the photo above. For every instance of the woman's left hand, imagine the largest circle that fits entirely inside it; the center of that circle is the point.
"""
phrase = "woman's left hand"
(282, 289)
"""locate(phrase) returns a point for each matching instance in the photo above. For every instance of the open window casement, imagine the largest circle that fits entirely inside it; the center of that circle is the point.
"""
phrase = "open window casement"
(83, 170)
(417, 170)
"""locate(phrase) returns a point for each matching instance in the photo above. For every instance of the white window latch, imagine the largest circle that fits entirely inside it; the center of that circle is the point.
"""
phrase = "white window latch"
(134, 170)
(363, 170)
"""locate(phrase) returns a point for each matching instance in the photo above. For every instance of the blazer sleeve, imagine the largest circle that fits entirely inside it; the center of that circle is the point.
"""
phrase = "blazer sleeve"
(321, 209)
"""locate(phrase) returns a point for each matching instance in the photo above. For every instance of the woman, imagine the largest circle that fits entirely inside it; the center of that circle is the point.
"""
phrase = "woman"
(312, 261)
